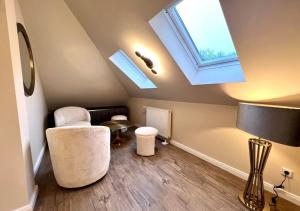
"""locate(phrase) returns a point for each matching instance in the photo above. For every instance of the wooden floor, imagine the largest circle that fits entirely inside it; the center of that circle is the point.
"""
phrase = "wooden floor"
(170, 180)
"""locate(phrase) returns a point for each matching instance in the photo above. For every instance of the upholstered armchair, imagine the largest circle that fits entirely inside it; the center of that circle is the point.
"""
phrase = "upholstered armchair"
(79, 155)
(72, 116)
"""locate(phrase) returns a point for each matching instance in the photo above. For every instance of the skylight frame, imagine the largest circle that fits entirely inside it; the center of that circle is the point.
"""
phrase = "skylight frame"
(131, 70)
(187, 42)
(230, 72)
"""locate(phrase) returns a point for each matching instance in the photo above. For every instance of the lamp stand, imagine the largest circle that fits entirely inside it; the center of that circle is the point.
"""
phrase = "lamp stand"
(253, 196)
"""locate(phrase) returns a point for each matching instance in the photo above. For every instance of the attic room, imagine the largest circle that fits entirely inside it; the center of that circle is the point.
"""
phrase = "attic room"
(149, 105)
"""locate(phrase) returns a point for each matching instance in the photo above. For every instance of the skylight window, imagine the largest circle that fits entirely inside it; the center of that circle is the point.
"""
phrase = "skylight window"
(204, 23)
(196, 35)
(126, 65)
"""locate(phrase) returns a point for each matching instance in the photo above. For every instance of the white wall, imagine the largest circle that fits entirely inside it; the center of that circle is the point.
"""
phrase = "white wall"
(16, 178)
(72, 70)
(35, 104)
(37, 115)
(210, 129)
(12, 177)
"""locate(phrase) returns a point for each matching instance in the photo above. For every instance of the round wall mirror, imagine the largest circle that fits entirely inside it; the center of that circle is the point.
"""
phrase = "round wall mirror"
(27, 61)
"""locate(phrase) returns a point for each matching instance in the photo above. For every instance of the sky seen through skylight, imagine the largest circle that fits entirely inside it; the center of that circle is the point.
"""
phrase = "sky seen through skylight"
(206, 25)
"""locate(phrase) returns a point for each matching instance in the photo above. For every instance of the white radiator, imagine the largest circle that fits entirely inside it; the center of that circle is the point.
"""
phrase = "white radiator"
(159, 119)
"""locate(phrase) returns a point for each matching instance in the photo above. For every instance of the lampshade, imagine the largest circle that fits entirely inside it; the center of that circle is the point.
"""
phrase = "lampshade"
(275, 123)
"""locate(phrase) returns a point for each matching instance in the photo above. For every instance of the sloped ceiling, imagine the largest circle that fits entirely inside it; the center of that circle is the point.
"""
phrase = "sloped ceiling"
(115, 24)
(266, 34)
(267, 37)
(72, 70)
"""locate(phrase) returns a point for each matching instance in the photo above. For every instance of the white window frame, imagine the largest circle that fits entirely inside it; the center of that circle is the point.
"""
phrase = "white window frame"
(219, 73)
(188, 43)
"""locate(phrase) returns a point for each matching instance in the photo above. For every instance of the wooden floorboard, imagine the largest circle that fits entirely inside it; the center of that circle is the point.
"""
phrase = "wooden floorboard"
(170, 180)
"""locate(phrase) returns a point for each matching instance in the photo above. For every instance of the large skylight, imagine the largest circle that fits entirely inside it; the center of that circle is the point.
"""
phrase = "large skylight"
(127, 66)
(206, 25)
(196, 35)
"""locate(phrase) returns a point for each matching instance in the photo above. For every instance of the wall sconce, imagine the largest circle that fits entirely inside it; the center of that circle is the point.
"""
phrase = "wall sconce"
(147, 61)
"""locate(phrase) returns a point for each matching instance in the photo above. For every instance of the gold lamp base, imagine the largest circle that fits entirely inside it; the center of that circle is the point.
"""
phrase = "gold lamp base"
(253, 195)
(241, 198)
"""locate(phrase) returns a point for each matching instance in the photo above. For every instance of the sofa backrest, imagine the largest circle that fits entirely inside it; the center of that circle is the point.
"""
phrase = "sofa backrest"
(102, 114)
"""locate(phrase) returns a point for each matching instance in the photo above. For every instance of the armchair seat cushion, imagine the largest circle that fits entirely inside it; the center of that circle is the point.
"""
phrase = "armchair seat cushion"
(79, 123)
(119, 117)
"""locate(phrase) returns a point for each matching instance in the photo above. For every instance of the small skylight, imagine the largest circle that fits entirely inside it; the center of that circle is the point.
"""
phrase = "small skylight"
(205, 23)
(127, 66)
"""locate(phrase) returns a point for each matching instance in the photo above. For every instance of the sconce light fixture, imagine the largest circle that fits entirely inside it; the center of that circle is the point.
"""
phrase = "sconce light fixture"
(147, 61)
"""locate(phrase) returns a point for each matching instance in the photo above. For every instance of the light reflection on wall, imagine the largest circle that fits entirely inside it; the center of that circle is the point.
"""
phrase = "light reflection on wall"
(270, 86)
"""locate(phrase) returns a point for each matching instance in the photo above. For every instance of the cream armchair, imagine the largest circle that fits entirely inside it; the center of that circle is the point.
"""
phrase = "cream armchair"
(72, 116)
(79, 155)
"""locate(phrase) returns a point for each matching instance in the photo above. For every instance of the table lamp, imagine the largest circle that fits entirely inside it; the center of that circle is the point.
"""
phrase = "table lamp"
(275, 123)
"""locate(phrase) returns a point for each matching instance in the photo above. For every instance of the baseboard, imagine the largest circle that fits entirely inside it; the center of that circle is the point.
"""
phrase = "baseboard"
(243, 175)
(25, 208)
(34, 196)
(39, 160)
(30, 206)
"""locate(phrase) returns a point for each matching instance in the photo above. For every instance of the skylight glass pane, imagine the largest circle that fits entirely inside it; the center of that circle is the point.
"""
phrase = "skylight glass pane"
(126, 65)
(205, 22)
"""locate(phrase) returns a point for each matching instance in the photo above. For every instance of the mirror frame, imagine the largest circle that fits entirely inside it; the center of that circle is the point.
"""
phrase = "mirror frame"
(28, 91)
